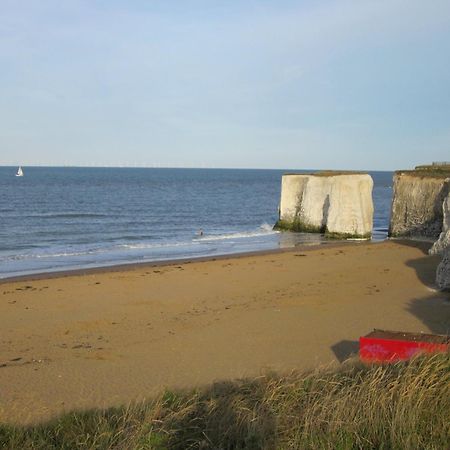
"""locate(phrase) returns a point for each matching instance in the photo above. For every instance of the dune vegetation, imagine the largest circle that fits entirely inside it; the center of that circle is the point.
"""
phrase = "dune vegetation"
(355, 406)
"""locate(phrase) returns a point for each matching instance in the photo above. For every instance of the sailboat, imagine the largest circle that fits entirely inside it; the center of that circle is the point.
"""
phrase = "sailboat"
(19, 172)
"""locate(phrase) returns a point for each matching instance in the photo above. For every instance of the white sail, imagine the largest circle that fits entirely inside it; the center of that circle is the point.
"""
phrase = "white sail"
(19, 172)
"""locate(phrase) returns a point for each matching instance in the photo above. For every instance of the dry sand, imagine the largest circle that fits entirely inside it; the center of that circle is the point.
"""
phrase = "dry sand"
(103, 339)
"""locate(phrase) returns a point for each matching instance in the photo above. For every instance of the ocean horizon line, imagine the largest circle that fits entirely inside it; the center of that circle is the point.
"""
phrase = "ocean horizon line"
(308, 169)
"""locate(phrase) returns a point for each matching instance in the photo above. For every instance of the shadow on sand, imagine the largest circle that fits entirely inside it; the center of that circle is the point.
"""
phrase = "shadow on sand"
(424, 246)
(433, 310)
(426, 266)
(344, 350)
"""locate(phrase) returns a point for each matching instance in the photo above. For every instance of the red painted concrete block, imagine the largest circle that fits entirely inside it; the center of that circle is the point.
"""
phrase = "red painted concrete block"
(391, 346)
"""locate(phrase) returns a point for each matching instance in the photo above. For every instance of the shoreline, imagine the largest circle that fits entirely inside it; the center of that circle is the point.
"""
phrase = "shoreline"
(169, 262)
(62, 273)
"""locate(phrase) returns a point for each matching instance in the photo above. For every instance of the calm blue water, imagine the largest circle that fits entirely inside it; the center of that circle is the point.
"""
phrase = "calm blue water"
(63, 218)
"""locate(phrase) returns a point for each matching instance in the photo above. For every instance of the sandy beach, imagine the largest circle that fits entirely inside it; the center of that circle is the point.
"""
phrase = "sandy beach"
(115, 336)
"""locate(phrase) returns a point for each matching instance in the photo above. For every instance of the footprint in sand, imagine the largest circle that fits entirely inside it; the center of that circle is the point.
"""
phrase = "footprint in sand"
(84, 345)
(24, 288)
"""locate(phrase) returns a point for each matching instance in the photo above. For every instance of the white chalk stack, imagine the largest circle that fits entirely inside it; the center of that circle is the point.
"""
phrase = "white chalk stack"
(338, 204)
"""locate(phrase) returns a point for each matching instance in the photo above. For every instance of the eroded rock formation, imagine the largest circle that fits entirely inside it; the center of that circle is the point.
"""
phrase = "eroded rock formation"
(444, 238)
(338, 204)
(417, 203)
(442, 247)
(421, 209)
(443, 271)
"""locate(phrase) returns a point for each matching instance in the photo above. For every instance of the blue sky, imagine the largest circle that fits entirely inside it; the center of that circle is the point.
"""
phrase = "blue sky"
(349, 84)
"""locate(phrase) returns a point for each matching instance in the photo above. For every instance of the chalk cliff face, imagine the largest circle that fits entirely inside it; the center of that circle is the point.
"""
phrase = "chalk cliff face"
(442, 246)
(444, 238)
(337, 204)
(421, 208)
(417, 204)
(443, 272)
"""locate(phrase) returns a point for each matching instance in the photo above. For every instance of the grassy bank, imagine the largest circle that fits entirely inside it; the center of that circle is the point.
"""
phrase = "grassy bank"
(402, 406)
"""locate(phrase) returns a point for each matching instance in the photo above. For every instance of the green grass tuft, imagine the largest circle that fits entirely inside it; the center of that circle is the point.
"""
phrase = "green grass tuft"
(427, 172)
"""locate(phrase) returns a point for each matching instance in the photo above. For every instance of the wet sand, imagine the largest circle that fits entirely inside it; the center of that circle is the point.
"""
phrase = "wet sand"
(114, 336)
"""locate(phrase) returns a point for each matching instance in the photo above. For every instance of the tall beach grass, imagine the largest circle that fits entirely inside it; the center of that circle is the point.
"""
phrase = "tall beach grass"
(399, 406)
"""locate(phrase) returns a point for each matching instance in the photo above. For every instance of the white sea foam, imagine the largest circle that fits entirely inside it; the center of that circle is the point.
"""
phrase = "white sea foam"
(264, 230)
(146, 245)
(73, 252)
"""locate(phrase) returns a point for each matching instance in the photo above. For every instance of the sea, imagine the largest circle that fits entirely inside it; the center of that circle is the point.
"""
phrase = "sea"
(61, 218)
